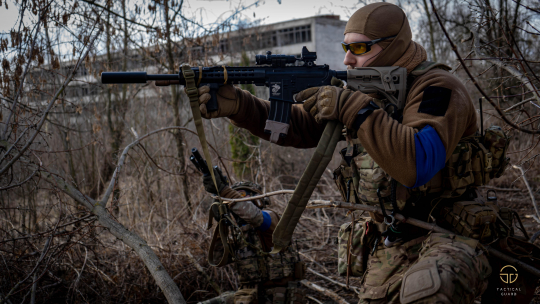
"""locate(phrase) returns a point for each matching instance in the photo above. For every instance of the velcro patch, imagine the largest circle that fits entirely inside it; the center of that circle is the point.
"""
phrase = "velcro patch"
(435, 101)
(420, 281)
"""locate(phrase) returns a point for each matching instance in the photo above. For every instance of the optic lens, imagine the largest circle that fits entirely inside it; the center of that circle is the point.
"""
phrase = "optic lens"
(344, 47)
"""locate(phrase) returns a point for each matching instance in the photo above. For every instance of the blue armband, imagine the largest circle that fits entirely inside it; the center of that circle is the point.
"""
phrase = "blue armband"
(430, 155)
(267, 221)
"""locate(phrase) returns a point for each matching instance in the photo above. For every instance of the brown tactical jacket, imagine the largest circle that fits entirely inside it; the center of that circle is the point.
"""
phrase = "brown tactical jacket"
(389, 143)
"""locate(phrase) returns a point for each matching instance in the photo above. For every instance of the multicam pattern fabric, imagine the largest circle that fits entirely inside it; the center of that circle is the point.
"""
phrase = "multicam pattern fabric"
(372, 177)
(246, 296)
(474, 161)
(471, 219)
(457, 174)
(281, 265)
(496, 141)
(385, 269)
(292, 294)
(439, 268)
(254, 267)
(359, 244)
(462, 268)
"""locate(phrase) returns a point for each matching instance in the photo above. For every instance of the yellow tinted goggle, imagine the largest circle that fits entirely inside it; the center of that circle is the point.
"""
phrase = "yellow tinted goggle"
(362, 47)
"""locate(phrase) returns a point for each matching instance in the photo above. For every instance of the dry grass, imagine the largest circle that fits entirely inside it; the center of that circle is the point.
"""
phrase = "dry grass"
(84, 263)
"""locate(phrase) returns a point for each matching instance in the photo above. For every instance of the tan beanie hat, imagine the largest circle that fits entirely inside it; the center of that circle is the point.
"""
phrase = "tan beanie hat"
(380, 20)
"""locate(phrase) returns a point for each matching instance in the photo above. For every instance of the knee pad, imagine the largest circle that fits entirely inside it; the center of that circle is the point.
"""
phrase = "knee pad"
(420, 281)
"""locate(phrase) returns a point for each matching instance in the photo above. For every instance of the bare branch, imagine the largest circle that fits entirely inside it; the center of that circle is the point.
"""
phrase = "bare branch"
(327, 292)
(355, 289)
(19, 92)
(454, 48)
(531, 194)
(513, 71)
(49, 107)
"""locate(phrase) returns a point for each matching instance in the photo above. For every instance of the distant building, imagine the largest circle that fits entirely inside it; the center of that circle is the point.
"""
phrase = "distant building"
(322, 34)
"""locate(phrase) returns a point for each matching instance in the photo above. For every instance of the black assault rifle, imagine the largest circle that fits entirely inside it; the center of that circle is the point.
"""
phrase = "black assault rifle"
(285, 76)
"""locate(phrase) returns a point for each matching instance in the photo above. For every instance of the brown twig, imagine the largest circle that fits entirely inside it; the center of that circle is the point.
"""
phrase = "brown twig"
(327, 292)
(254, 197)
(531, 194)
(355, 289)
(519, 103)
(202, 271)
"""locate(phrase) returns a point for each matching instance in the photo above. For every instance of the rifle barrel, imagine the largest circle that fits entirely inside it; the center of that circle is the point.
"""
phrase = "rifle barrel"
(234, 75)
(134, 77)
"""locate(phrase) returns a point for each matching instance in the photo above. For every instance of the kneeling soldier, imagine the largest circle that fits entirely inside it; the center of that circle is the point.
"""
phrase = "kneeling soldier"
(263, 277)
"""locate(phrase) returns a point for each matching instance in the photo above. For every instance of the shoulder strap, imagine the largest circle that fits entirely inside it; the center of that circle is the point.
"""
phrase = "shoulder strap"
(423, 68)
(426, 66)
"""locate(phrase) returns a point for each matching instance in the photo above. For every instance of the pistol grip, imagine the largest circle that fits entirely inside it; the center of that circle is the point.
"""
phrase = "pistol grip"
(212, 104)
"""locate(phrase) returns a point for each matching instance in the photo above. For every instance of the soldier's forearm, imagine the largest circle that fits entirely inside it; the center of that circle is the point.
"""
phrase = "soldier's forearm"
(248, 212)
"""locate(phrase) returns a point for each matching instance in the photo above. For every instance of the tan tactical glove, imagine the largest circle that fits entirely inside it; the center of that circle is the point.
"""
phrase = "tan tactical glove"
(227, 99)
(333, 103)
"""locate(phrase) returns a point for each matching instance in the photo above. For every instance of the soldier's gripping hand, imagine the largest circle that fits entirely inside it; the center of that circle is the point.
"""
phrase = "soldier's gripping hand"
(333, 103)
(227, 100)
(221, 182)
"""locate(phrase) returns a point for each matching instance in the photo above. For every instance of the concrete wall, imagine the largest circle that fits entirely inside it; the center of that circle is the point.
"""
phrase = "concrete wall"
(326, 38)
(328, 35)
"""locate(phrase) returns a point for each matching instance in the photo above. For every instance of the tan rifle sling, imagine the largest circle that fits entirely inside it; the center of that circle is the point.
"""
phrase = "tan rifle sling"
(222, 230)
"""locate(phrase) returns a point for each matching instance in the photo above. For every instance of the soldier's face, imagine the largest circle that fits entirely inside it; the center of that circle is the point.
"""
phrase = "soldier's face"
(356, 61)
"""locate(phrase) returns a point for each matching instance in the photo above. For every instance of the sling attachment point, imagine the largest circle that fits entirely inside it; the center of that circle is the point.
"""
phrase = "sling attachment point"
(225, 74)
(200, 76)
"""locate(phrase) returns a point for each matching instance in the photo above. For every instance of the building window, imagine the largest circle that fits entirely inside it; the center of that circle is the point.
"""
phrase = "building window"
(294, 35)
(266, 40)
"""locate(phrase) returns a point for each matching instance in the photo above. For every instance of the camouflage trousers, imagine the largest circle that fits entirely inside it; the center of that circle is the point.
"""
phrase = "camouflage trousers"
(438, 268)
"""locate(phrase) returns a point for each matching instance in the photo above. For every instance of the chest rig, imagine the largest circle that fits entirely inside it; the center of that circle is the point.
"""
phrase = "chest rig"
(359, 178)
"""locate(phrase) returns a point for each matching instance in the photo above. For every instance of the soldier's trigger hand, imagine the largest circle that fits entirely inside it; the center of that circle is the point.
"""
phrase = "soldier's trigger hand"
(227, 101)
(333, 103)
(321, 102)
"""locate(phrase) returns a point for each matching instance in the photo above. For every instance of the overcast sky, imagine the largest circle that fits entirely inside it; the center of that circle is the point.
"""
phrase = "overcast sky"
(210, 11)
(271, 11)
